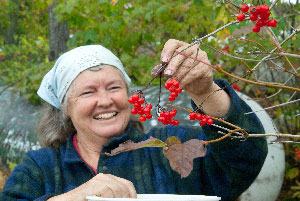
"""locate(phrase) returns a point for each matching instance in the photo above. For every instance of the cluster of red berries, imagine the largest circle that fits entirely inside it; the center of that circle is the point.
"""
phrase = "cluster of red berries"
(259, 14)
(167, 118)
(204, 119)
(297, 153)
(143, 111)
(173, 86)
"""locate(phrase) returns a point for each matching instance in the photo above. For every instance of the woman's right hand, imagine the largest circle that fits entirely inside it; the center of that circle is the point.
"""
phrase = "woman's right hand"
(102, 185)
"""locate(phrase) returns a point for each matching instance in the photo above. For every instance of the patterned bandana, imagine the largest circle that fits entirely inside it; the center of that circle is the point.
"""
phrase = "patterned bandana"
(69, 65)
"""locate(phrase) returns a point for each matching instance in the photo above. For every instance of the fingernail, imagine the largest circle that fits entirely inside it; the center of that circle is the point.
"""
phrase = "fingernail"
(164, 60)
(168, 72)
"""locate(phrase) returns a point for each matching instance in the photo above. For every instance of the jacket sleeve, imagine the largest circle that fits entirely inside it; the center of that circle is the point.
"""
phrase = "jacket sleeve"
(233, 164)
(25, 183)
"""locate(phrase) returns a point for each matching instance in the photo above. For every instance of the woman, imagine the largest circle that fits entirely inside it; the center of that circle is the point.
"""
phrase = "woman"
(88, 114)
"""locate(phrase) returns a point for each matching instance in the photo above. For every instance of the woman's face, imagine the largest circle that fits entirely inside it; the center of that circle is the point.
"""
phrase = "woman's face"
(98, 103)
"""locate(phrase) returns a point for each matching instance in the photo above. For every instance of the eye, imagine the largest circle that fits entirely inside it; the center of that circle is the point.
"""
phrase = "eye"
(115, 87)
(86, 93)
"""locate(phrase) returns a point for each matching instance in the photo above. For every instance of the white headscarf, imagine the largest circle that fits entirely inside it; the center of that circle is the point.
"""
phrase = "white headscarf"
(69, 65)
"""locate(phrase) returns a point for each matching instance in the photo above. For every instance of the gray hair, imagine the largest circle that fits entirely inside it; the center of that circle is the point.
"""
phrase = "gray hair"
(55, 126)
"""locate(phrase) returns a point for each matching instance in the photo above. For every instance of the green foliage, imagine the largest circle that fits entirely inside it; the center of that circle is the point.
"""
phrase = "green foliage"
(136, 31)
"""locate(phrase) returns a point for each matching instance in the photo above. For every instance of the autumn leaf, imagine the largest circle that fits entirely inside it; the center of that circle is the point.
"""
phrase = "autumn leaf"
(181, 155)
(130, 146)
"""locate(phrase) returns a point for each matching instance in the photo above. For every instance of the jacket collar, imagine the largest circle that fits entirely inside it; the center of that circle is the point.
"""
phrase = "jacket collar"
(72, 156)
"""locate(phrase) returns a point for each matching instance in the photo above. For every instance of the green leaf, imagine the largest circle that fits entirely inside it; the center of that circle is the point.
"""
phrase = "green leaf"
(292, 173)
(198, 2)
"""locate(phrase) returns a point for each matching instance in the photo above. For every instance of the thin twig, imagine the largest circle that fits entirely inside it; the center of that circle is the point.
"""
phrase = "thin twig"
(296, 31)
(258, 83)
(274, 106)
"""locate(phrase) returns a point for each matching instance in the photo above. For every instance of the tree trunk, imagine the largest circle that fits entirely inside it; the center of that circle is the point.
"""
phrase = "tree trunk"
(13, 23)
(59, 34)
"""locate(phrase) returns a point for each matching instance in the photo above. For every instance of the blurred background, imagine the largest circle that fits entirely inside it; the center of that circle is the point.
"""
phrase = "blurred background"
(34, 33)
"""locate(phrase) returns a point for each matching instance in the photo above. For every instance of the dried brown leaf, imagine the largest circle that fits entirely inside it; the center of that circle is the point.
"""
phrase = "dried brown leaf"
(181, 156)
(129, 145)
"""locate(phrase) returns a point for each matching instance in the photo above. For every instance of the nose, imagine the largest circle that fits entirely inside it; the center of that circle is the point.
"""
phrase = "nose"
(104, 100)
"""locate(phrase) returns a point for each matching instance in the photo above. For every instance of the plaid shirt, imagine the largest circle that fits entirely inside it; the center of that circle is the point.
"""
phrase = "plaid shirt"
(227, 170)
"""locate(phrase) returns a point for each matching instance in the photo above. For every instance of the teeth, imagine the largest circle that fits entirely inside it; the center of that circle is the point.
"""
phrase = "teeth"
(106, 115)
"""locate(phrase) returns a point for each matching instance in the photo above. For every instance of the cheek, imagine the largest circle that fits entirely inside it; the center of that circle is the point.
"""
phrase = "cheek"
(83, 107)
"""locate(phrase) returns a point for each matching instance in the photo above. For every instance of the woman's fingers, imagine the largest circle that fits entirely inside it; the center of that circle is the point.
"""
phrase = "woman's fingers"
(113, 186)
(176, 62)
(169, 49)
(129, 187)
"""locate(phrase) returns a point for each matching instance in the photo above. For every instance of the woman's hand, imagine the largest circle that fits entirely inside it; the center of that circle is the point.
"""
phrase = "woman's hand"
(195, 77)
(102, 185)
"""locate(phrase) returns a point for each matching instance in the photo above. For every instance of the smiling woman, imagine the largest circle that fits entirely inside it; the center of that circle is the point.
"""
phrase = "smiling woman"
(88, 114)
(98, 106)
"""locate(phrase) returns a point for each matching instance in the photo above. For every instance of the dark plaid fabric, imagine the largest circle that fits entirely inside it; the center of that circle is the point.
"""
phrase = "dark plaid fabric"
(227, 170)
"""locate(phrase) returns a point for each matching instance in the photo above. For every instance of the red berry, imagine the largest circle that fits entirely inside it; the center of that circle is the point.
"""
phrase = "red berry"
(193, 116)
(176, 84)
(256, 28)
(149, 116)
(175, 122)
(260, 23)
(134, 111)
(147, 110)
(272, 23)
(174, 94)
(236, 87)
(253, 17)
(140, 101)
(198, 116)
(173, 113)
(207, 116)
(179, 90)
(142, 118)
(171, 98)
(137, 106)
(209, 121)
(168, 85)
(167, 115)
(240, 17)
(264, 8)
(130, 100)
(244, 8)
(202, 123)
(265, 15)
(135, 97)
(161, 119)
(253, 10)
(172, 89)
(149, 106)
(259, 10)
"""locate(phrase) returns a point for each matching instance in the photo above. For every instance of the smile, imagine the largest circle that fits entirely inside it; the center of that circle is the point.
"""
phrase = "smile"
(105, 115)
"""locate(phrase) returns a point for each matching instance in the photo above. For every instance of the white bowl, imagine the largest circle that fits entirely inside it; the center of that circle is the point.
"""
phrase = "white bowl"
(159, 197)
